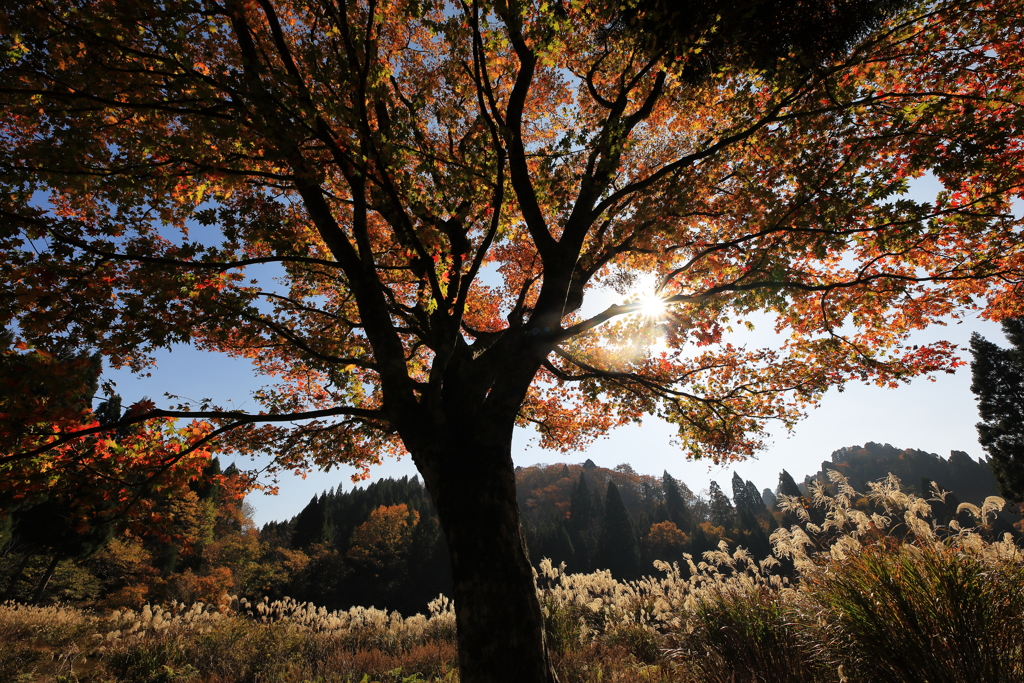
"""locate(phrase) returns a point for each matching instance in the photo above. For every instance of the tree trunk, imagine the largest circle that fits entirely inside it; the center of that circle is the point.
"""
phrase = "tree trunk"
(12, 587)
(500, 626)
(45, 580)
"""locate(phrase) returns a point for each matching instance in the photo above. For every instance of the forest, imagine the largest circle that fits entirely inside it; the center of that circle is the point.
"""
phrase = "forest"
(625, 563)
(381, 545)
(422, 225)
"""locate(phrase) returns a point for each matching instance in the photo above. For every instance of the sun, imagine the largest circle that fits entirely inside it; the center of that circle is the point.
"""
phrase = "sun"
(651, 305)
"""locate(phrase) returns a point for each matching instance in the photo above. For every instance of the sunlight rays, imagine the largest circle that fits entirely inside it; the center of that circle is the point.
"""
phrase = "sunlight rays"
(652, 305)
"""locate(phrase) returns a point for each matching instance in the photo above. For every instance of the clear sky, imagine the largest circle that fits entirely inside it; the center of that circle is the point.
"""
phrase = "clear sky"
(932, 416)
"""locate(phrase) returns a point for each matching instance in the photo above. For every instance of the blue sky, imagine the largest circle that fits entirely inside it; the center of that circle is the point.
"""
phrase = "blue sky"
(932, 416)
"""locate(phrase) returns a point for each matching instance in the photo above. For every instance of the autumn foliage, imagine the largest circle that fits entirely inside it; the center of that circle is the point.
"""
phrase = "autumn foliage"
(462, 206)
(118, 474)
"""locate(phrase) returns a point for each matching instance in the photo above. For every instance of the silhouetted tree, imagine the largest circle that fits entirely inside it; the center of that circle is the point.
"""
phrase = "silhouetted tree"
(312, 526)
(619, 549)
(787, 486)
(581, 525)
(678, 511)
(998, 382)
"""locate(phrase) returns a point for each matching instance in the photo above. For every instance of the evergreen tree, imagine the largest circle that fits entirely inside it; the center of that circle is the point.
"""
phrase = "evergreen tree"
(581, 524)
(756, 501)
(998, 382)
(581, 508)
(333, 519)
(619, 548)
(787, 487)
(682, 515)
(675, 505)
(660, 514)
(720, 507)
(972, 479)
(277, 534)
(551, 540)
(109, 411)
(740, 495)
(312, 525)
(752, 535)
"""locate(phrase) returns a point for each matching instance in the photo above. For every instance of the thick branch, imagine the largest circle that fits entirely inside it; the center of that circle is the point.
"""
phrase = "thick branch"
(239, 418)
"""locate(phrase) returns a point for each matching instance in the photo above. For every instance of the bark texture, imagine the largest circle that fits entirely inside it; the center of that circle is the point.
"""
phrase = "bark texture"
(500, 625)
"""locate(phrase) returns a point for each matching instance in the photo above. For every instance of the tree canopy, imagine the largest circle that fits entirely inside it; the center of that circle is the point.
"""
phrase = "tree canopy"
(442, 188)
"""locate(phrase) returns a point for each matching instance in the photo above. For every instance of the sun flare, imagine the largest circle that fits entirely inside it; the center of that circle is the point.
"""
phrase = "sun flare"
(651, 305)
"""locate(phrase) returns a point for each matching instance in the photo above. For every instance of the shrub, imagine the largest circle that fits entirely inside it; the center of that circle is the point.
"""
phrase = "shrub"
(742, 632)
(931, 614)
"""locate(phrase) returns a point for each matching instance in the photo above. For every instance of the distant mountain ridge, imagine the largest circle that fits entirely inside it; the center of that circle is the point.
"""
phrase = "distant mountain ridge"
(969, 479)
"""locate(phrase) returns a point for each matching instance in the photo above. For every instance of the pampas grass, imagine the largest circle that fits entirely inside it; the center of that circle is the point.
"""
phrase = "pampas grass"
(874, 591)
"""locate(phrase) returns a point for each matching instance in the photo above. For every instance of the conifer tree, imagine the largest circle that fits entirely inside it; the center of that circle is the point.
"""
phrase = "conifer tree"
(581, 522)
(580, 506)
(998, 382)
(678, 512)
(740, 495)
(787, 487)
(619, 549)
(754, 496)
(312, 526)
(721, 509)
(551, 540)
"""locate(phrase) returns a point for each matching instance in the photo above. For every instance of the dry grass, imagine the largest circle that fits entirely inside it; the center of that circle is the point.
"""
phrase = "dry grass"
(877, 596)
(42, 642)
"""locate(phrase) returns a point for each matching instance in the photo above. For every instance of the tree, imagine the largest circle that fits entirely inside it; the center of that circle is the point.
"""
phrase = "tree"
(618, 548)
(442, 187)
(787, 486)
(117, 472)
(69, 504)
(551, 539)
(998, 382)
(665, 542)
(722, 512)
(312, 525)
(678, 511)
(741, 495)
(581, 527)
(380, 548)
(55, 529)
(750, 511)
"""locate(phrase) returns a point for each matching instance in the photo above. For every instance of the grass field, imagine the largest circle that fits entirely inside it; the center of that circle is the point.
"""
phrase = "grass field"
(854, 598)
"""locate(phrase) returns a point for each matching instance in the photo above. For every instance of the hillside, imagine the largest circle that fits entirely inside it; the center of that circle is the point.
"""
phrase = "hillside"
(968, 479)
(381, 545)
(585, 516)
